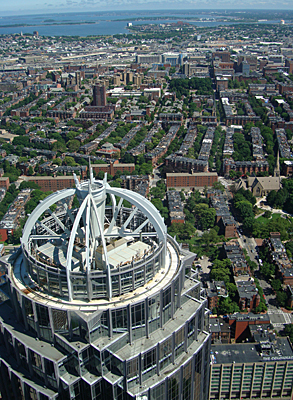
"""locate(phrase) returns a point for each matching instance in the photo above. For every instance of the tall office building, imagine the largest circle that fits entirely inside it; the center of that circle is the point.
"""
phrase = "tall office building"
(103, 304)
(99, 96)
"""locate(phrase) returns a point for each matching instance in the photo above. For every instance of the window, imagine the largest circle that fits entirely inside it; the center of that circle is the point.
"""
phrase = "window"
(149, 362)
(119, 320)
(179, 342)
(166, 305)
(158, 393)
(173, 386)
(187, 381)
(165, 353)
(138, 320)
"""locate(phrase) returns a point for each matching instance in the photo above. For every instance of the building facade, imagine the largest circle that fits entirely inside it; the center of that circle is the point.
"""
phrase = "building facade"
(262, 369)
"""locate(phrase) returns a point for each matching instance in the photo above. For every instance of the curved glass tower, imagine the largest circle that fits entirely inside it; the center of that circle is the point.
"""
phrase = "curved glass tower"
(103, 304)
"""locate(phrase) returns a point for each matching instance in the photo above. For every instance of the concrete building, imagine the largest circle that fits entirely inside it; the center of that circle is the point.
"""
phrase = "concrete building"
(99, 96)
(101, 306)
(262, 369)
(4, 182)
(108, 151)
(278, 256)
(249, 297)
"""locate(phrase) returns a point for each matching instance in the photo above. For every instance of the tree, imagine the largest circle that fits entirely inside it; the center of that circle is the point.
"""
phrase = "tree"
(30, 170)
(219, 186)
(71, 135)
(28, 185)
(17, 234)
(227, 306)
(205, 216)
(267, 214)
(281, 298)
(232, 290)
(69, 161)
(183, 232)
(276, 285)
(289, 331)
(59, 146)
(267, 270)
(73, 145)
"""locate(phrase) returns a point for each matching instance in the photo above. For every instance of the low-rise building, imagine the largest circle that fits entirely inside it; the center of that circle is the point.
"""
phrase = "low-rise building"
(9, 222)
(108, 150)
(249, 297)
(224, 219)
(175, 207)
(241, 325)
(136, 183)
(215, 290)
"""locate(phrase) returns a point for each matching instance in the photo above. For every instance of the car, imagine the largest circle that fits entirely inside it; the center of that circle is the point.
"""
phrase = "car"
(244, 240)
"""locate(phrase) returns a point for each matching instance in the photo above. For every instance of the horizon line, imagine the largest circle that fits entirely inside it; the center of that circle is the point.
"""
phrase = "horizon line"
(215, 9)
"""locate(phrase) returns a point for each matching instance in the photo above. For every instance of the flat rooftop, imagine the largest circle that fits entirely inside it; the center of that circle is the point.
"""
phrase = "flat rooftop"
(193, 174)
(252, 352)
(127, 253)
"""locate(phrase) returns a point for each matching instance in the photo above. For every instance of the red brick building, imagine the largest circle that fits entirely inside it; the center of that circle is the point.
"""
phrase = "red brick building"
(239, 324)
(112, 168)
(49, 183)
(4, 182)
(185, 180)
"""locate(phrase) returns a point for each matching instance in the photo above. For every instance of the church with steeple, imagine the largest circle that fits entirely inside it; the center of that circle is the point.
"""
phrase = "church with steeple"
(277, 166)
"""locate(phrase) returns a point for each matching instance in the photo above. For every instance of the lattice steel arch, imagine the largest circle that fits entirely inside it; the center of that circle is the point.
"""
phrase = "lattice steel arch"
(92, 196)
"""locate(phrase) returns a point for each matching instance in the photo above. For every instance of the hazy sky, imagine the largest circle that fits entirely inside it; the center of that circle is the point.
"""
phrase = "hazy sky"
(18, 7)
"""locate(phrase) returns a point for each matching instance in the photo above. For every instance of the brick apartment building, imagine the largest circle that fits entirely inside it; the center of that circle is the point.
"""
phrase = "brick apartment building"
(112, 168)
(187, 181)
(214, 291)
(249, 297)
(49, 183)
(245, 167)
(4, 182)
(240, 323)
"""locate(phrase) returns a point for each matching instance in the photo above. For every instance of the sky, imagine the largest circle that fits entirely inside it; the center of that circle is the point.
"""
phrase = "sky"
(25, 7)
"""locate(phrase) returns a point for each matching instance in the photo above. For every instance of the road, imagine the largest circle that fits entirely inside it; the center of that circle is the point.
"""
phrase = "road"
(205, 268)
(249, 245)
(155, 179)
(278, 317)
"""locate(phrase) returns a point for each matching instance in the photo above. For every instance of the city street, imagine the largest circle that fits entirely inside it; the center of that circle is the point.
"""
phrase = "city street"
(155, 179)
(205, 266)
(249, 245)
(278, 317)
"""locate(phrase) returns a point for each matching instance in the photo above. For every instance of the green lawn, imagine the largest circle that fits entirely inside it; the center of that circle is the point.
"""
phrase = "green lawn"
(264, 220)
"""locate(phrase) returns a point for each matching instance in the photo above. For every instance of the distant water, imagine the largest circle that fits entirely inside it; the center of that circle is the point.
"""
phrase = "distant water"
(104, 23)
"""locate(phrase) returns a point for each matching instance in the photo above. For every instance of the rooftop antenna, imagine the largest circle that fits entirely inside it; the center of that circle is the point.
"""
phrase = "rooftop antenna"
(76, 180)
(91, 172)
